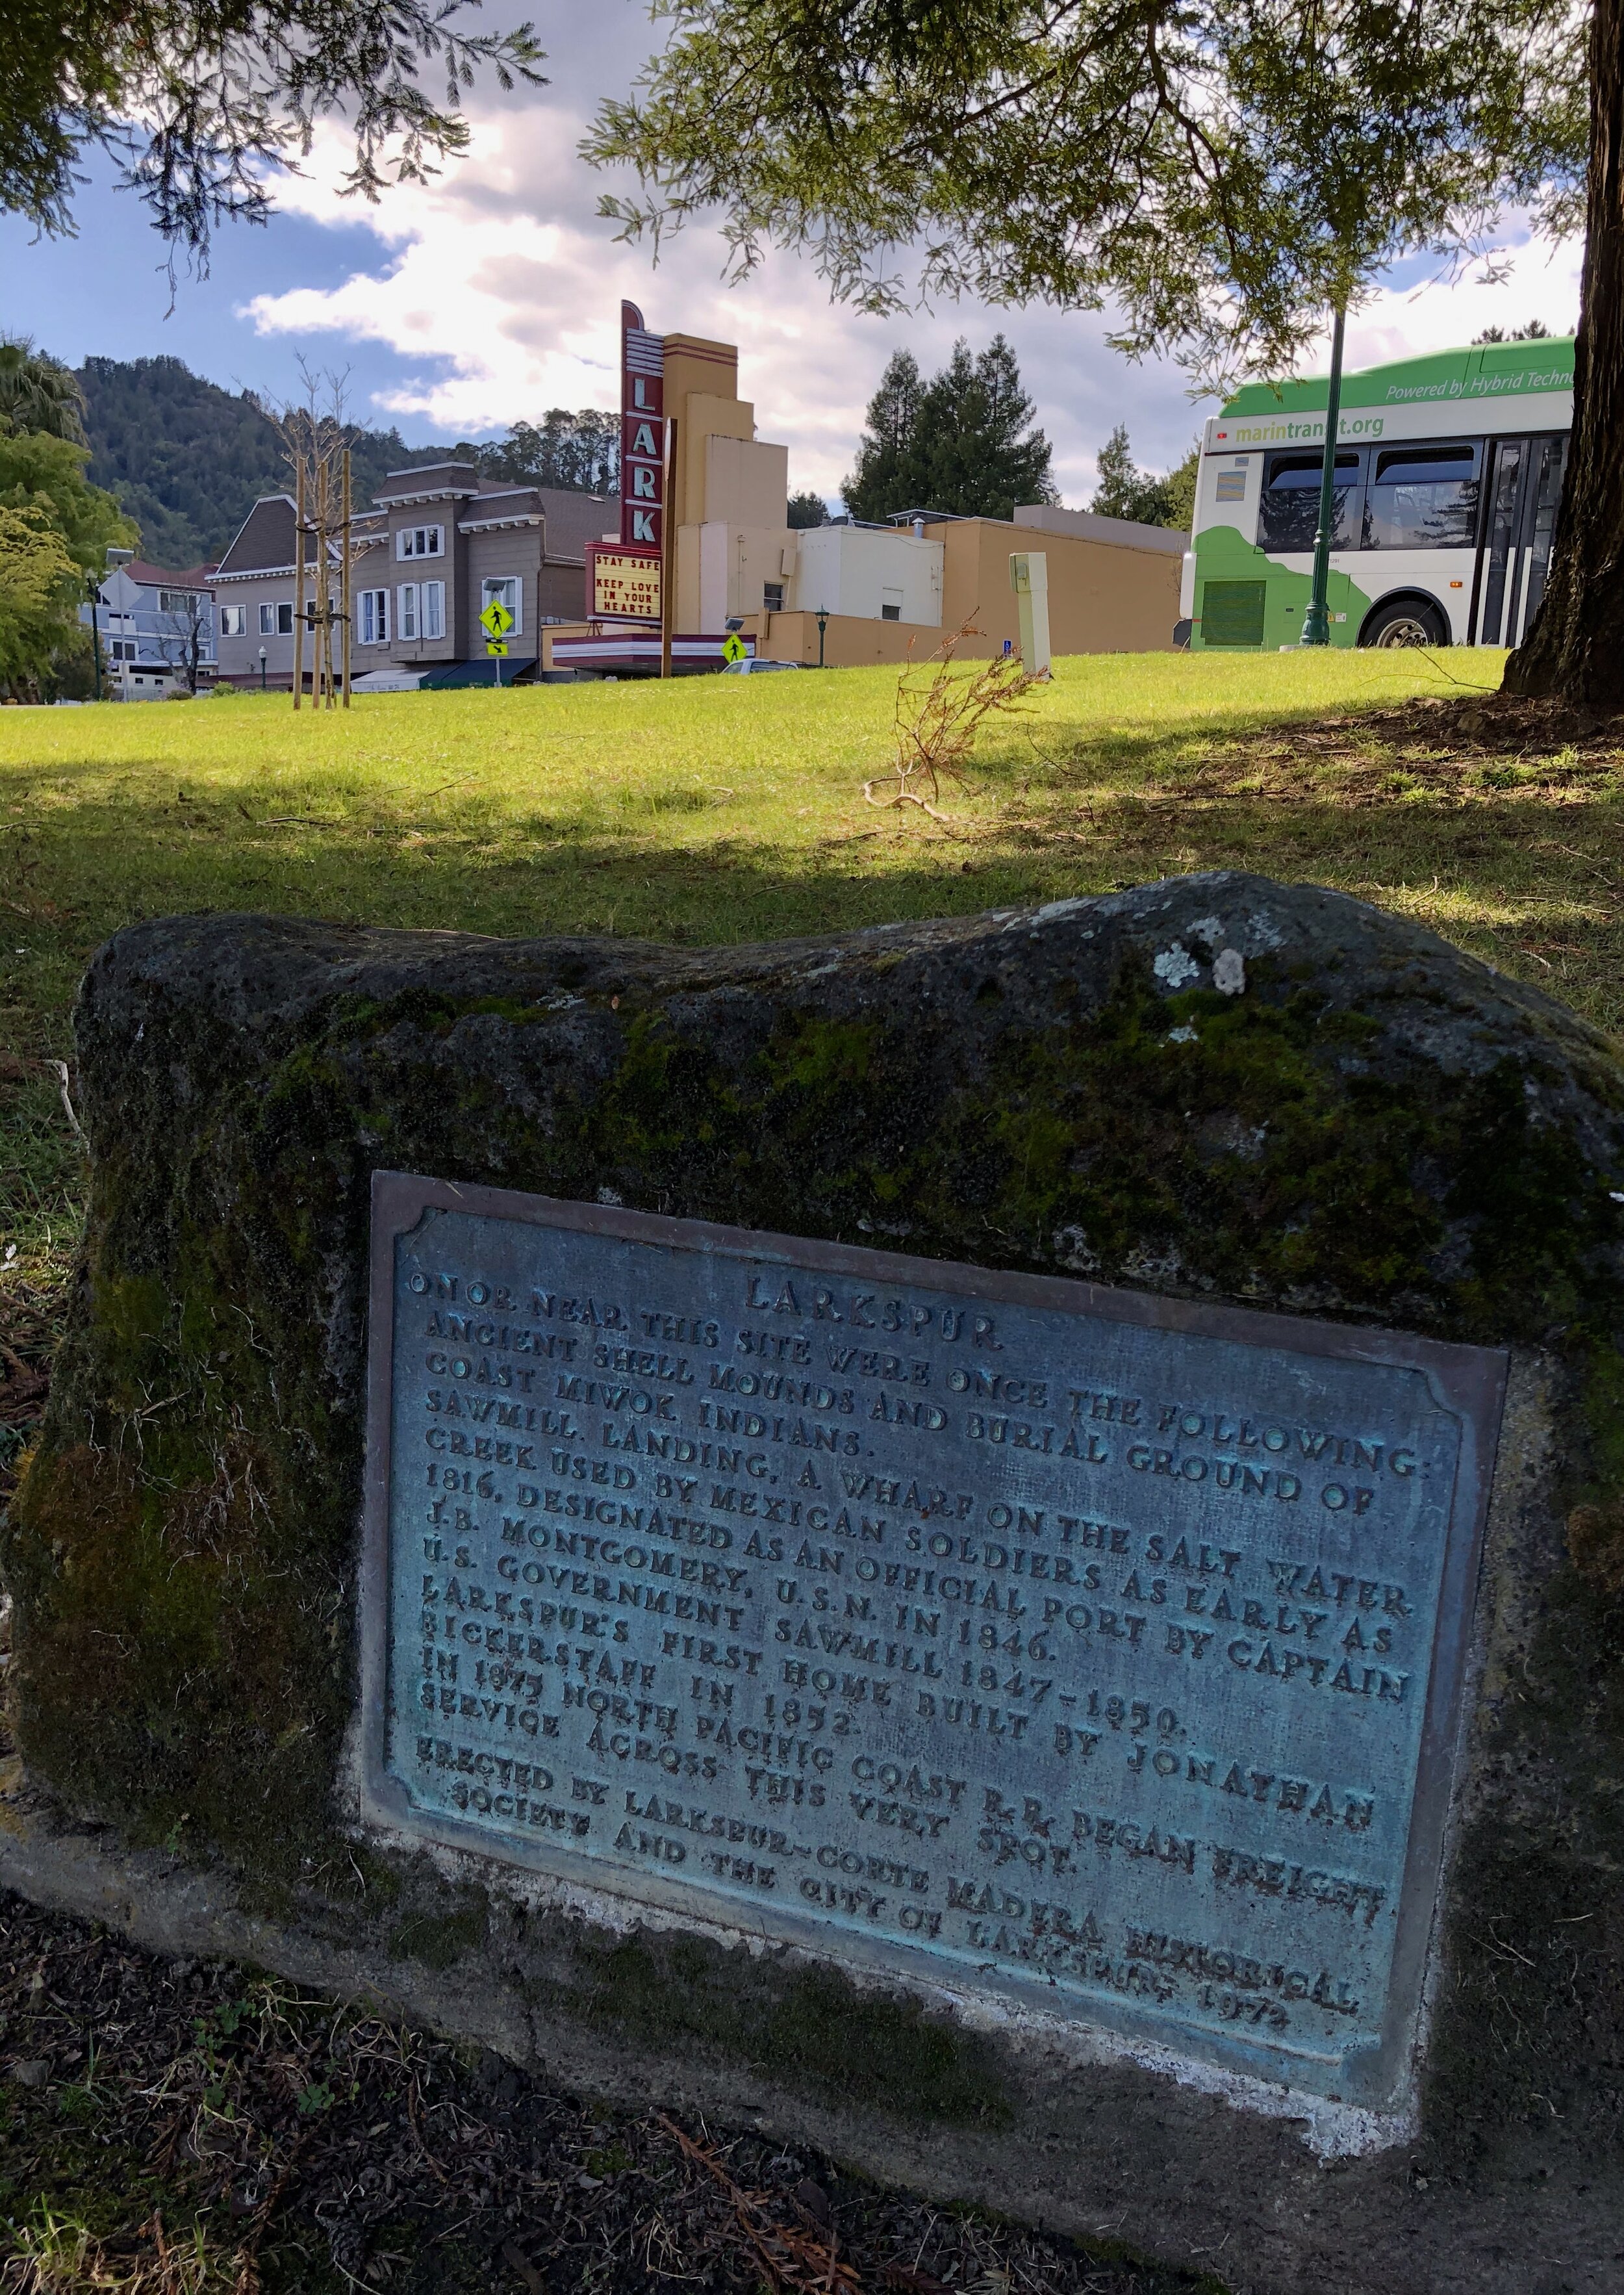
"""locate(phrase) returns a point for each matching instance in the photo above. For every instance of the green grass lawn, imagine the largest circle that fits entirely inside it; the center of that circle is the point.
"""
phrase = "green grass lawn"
(731, 809)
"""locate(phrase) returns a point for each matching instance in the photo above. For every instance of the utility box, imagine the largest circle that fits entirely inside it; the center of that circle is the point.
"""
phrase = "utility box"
(1029, 579)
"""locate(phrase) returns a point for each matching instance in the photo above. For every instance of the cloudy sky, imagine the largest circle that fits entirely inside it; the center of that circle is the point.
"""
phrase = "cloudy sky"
(493, 294)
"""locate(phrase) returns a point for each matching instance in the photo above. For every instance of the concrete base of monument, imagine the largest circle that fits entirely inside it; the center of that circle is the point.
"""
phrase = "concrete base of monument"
(1329, 2131)
(1134, 2154)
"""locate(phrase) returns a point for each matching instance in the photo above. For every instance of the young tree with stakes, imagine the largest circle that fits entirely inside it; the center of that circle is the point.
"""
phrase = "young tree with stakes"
(1224, 176)
(316, 442)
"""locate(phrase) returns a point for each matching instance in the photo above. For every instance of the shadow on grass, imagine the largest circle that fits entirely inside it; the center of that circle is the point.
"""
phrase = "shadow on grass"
(1500, 871)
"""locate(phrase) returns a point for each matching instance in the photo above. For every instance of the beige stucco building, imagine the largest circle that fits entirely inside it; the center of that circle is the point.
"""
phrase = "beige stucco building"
(735, 552)
(881, 592)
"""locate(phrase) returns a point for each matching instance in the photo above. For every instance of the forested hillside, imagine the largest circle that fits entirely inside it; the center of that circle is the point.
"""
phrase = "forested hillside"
(187, 459)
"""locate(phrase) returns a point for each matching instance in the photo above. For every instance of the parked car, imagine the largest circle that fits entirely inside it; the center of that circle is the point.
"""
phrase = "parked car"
(743, 668)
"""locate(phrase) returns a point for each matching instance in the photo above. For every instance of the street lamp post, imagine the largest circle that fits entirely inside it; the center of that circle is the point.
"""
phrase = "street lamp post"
(822, 625)
(262, 670)
(95, 585)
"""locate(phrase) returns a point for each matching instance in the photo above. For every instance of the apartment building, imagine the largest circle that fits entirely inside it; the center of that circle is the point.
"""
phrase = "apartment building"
(155, 627)
(439, 545)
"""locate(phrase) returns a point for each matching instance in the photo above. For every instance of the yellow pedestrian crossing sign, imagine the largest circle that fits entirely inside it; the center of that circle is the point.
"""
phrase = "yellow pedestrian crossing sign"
(733, 647)
(497, 619)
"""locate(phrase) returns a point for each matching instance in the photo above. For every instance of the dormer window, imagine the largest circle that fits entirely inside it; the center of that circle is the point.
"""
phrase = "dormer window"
(421, 541)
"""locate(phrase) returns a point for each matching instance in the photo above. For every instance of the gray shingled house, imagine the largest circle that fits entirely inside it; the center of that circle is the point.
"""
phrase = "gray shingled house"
(440, 544)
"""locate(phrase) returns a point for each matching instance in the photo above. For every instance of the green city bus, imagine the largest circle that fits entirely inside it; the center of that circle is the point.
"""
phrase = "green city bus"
(1449, 472)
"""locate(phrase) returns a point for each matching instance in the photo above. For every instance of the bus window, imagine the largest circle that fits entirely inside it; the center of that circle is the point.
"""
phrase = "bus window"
(1288, 515)
(1422, 498)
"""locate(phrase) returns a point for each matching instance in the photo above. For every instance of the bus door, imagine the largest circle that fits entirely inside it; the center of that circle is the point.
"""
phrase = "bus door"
(1525, 478)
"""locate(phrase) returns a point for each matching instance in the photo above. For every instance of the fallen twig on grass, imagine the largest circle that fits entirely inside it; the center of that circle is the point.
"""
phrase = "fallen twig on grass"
(936, 723)
(60, 1067)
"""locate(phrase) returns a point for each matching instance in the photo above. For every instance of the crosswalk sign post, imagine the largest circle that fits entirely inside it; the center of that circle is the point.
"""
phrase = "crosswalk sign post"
(496, 621)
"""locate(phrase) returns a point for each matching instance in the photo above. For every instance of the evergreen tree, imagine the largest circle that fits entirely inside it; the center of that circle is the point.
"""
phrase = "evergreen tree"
(808, 509)
(1125, 491)
(961, 442)
(881, 481)
(200, 106)
(1180, 483)
(580, 453)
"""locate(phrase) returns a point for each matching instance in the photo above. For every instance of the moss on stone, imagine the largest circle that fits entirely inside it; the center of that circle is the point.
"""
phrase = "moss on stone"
(1533, 1994)
(1350, 1137)
(808, 2030)
(440, 1939)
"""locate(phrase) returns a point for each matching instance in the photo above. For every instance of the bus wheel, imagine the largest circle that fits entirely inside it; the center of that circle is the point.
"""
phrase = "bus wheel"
(1407, 622)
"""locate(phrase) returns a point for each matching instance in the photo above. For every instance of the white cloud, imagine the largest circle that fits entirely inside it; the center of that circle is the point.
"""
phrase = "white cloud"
(501, 279)
(498, 278)
(1538, 279)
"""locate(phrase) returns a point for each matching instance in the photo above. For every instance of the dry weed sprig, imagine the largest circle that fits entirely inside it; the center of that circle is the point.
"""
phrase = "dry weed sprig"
(938, 716)
(794, 2262)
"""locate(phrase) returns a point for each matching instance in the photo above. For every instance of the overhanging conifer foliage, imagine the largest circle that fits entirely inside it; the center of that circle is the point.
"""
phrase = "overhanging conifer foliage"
(202, 100)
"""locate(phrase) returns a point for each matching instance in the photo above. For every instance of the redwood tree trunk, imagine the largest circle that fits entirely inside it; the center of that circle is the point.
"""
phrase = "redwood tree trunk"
(1576, 646)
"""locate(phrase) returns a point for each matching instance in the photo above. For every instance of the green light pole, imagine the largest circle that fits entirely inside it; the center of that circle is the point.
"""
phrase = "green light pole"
(822, 625)
(1317, 621)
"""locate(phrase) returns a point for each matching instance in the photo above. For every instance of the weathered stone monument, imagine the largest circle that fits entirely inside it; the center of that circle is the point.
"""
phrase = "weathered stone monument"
(996, 1542)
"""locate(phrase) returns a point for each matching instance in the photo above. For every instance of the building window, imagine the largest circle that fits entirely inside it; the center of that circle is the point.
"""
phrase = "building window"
(773, 597)
(232, 622)
(178, 601)
(421, 541)
(505, 590)
(891, 606)
(434, 610)
(405, 612)
(276, 621)
(374, 617)
(122, 649)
